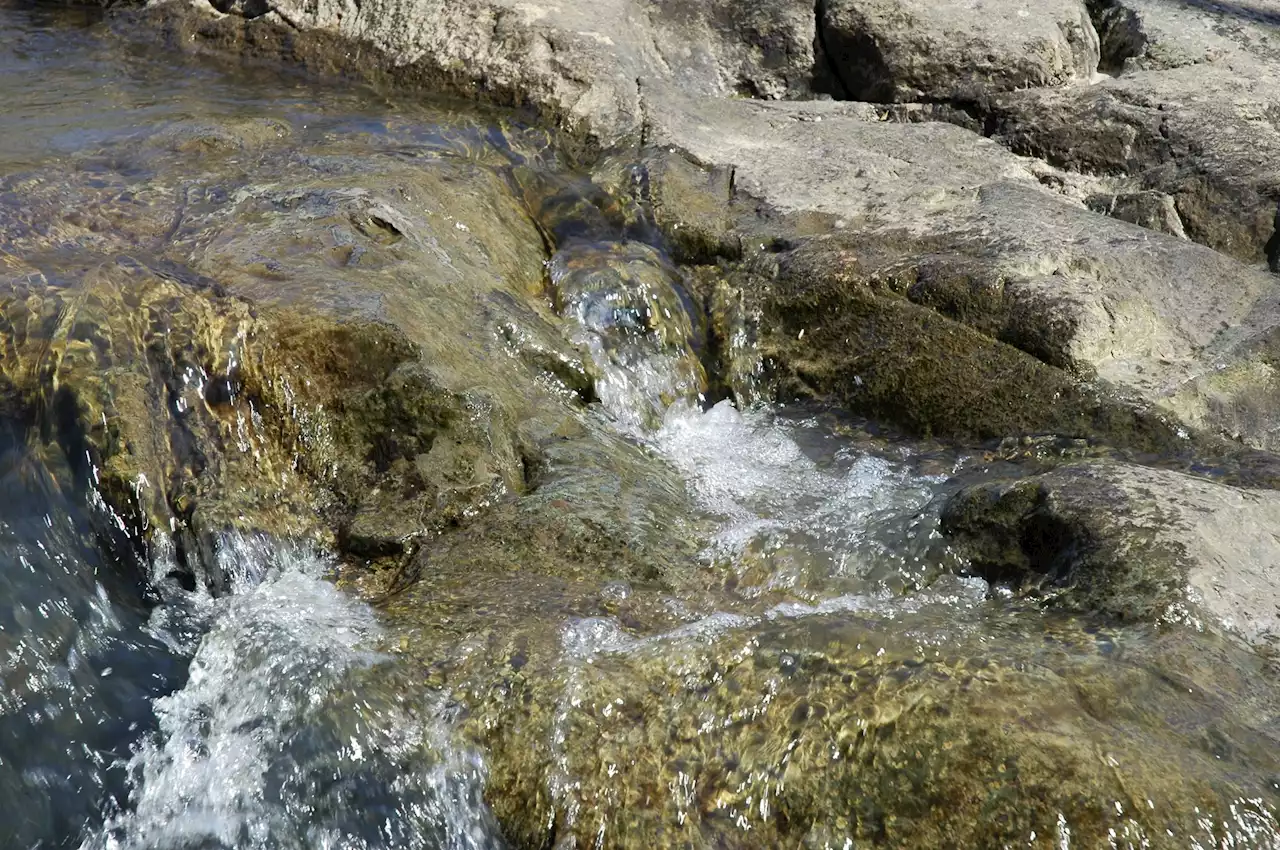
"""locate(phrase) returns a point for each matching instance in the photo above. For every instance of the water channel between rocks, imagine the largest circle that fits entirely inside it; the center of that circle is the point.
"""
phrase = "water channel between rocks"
(571, 601)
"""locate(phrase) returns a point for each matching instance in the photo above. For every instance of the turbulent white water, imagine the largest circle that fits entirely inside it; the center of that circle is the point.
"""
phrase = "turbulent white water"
(750, 469)
(271, 744)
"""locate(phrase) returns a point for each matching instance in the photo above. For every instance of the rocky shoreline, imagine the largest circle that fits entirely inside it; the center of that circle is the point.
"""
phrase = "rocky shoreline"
(1002, 197)
(1054, 223)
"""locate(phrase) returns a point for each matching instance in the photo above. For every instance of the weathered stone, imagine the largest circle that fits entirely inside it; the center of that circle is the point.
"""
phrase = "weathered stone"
(310, 343)
(1154, 35)
(1131, 542)
(984, 240)
(914, 50)
(577, 64)
(1191, 115)
(909, 730)
(968, 231)
(1153, 210)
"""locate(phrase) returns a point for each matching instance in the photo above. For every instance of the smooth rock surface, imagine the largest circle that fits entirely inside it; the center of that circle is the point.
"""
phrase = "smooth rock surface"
(917, 50)
(934, 212)
(950, 222)
(1131, 542)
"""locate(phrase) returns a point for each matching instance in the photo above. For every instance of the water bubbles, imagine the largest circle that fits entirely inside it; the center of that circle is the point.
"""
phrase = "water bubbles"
(282, 737)
(803, 519)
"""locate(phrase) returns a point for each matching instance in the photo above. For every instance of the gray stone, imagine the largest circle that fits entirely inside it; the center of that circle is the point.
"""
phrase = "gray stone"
(910, 50)
(577, 63)
(1153, 210)
(1132, 542)
(935, 214)
(1158, 35)
(952, 222)
(1192, 113)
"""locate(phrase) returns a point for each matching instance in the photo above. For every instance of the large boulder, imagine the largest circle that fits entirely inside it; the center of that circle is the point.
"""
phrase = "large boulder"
(577, 64)
(309, 343)
(964, 255)
(915, 50)
(1184, 116)
(973, 236)
(905, 728)
(1131, 542)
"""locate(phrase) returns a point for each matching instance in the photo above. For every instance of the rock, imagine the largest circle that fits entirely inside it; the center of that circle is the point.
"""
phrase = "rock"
(911, 730)
(914, 50)
(1151, 35)
(1153, 210)
(966, 231)
(1186, 116)
(304, 342)
(1131, 542)
(578, 65)
(985, 241)
(841, 336)
(963, 229)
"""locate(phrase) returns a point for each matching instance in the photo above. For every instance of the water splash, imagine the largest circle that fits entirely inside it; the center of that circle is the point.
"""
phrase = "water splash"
(629, 315)
(281, 737)
(777, 503)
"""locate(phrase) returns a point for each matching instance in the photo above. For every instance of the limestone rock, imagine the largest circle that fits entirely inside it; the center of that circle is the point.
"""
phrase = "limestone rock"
(943, 219)
(1190, 114)
(1153, 35)
(1131, 542)
(916, 50)
(578, 64)
(822, 730)
(1153, 210)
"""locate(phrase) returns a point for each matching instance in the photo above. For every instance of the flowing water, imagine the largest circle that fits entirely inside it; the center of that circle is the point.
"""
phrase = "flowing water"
(250, 703)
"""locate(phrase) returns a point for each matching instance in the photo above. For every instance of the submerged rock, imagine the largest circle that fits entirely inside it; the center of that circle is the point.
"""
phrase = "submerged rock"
(908, 730)
(301, 341)
(1013, 248)
(1131, 542)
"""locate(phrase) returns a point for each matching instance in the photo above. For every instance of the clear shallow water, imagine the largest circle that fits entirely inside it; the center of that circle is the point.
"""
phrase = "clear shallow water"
(136, 712)
(139, 712)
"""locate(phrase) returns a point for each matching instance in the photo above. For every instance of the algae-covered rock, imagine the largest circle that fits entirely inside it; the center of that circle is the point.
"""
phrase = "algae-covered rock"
(831, 330)
(1131, 542)
(918, 729)
(188, 411)
(306, 342)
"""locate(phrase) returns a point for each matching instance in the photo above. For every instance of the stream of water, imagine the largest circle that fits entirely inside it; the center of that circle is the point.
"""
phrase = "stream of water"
(138, 709)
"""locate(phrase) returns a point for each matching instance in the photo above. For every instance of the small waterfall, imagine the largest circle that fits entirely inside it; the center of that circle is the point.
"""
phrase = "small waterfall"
(281, 737)
(629, 316)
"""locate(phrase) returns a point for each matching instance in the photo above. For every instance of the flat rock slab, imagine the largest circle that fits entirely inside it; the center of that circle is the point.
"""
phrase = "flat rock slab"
(1156, 34)
(913, 50)
(1131, 542)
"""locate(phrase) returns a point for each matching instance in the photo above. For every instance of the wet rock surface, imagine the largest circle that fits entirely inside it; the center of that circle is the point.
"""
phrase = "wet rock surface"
(1157, 147)
(425, 343)
(1134, 542)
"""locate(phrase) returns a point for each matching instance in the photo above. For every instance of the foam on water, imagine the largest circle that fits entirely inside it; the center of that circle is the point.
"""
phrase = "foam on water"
(748, 469)
(272, 743)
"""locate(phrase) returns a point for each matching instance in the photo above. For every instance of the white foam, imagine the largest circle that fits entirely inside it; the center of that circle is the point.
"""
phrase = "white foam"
(748, 469)
(269, 723)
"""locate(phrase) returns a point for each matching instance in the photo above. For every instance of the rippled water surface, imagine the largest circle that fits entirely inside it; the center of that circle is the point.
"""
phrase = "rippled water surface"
(814, 613)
